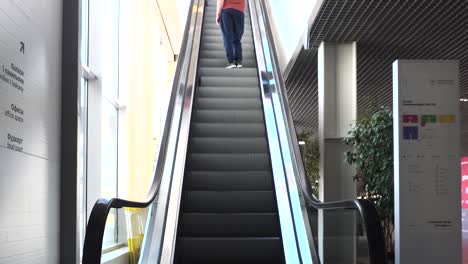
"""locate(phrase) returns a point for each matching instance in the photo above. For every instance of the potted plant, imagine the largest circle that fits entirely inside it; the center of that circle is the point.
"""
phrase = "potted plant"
(371, 142)
(311, 159)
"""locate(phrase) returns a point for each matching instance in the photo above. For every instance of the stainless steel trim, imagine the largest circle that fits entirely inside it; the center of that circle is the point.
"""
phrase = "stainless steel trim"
(170, 236)
(295, 239)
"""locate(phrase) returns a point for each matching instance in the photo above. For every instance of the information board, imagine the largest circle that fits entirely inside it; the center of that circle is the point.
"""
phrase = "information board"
(427, 162)
(30, 75)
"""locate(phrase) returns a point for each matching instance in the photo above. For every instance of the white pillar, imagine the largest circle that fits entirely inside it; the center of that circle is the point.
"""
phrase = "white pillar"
(337, 85)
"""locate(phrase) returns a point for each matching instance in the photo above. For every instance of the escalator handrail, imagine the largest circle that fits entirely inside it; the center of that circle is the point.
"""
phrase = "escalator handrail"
(92, 249)
(367, 211)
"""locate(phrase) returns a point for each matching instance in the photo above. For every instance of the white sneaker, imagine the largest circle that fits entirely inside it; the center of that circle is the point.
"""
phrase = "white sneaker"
(239, 64)
(231, 65)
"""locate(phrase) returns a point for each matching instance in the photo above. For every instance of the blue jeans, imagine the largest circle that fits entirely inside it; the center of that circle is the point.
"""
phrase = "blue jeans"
(232, 27)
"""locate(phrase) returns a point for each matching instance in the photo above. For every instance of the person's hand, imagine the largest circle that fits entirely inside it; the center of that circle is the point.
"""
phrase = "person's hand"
(218, 19)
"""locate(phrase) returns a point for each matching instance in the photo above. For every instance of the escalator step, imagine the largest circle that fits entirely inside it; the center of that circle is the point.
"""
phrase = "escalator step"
(228, 145)
(223, 72)
(229, 162)
(228, 104)
(230, 250)
(227, 92)
(219, 46)
(218, 62)
(221, 81)
(228, 116)
(220, 53)
(229, 225)
(228, 130)
(228, 181)
(228, 202)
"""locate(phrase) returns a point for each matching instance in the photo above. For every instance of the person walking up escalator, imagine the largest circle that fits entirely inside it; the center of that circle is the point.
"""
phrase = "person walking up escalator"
(230, 17)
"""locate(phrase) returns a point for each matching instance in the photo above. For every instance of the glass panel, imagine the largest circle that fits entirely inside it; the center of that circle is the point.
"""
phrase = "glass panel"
(110, 232)
(109, 139)
(82, 148)
(84, 31)
(339, 236)
(110, 55)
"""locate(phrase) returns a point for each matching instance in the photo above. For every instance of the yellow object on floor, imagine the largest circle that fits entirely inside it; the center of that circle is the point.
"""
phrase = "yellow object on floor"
(135, 231)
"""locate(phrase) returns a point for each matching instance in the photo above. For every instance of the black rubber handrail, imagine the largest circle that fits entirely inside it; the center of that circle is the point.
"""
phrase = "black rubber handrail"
(367, 210)
(95, 228)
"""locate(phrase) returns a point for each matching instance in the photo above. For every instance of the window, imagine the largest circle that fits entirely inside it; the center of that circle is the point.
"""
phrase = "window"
(99, 111)
(123, 109)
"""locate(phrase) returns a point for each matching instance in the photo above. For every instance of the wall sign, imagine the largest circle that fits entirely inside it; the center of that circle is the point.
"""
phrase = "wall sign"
(30, 75)
(427, 162)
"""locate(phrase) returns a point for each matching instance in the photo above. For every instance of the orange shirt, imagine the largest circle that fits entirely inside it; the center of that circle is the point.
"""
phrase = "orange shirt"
(236, 4)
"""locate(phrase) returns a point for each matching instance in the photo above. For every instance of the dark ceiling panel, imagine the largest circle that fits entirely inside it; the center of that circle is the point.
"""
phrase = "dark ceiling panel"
(385, 31)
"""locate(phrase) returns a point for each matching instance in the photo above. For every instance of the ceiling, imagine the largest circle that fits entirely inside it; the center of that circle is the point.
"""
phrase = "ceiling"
(384, 31)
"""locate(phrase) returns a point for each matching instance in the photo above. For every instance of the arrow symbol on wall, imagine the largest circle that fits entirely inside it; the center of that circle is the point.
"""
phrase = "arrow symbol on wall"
(22, 47)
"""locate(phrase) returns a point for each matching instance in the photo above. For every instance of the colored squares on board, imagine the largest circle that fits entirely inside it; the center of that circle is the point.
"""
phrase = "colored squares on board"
(428, 119)
(447, 118)
(410, 119)
(410, 132)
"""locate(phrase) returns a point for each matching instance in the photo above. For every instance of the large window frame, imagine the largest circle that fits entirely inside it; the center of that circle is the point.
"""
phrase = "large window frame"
(111, 52)
(100, 109)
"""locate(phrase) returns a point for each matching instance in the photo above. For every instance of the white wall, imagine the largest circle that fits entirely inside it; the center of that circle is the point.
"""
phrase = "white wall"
(29, 175)
(174, 17)
(289, 21)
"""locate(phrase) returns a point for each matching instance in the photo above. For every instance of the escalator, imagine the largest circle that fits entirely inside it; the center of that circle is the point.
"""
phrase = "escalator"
(229, 184)
(228, 210)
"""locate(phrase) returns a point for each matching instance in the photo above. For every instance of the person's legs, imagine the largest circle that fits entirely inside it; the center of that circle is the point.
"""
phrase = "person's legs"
(227, 29)
(238, 18)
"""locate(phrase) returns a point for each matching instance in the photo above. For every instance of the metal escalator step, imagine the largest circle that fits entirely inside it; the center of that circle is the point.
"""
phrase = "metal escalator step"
(229, 162)
(220, 81)
(228, 116)
(218, 62)
(228, 145)
(228, 181)
(228, 130)
(223, 72)
(228, 104)
(220, 53)
(229, 225)
(227, 92)
(220, 46)
(230, 250)
(228, 202)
